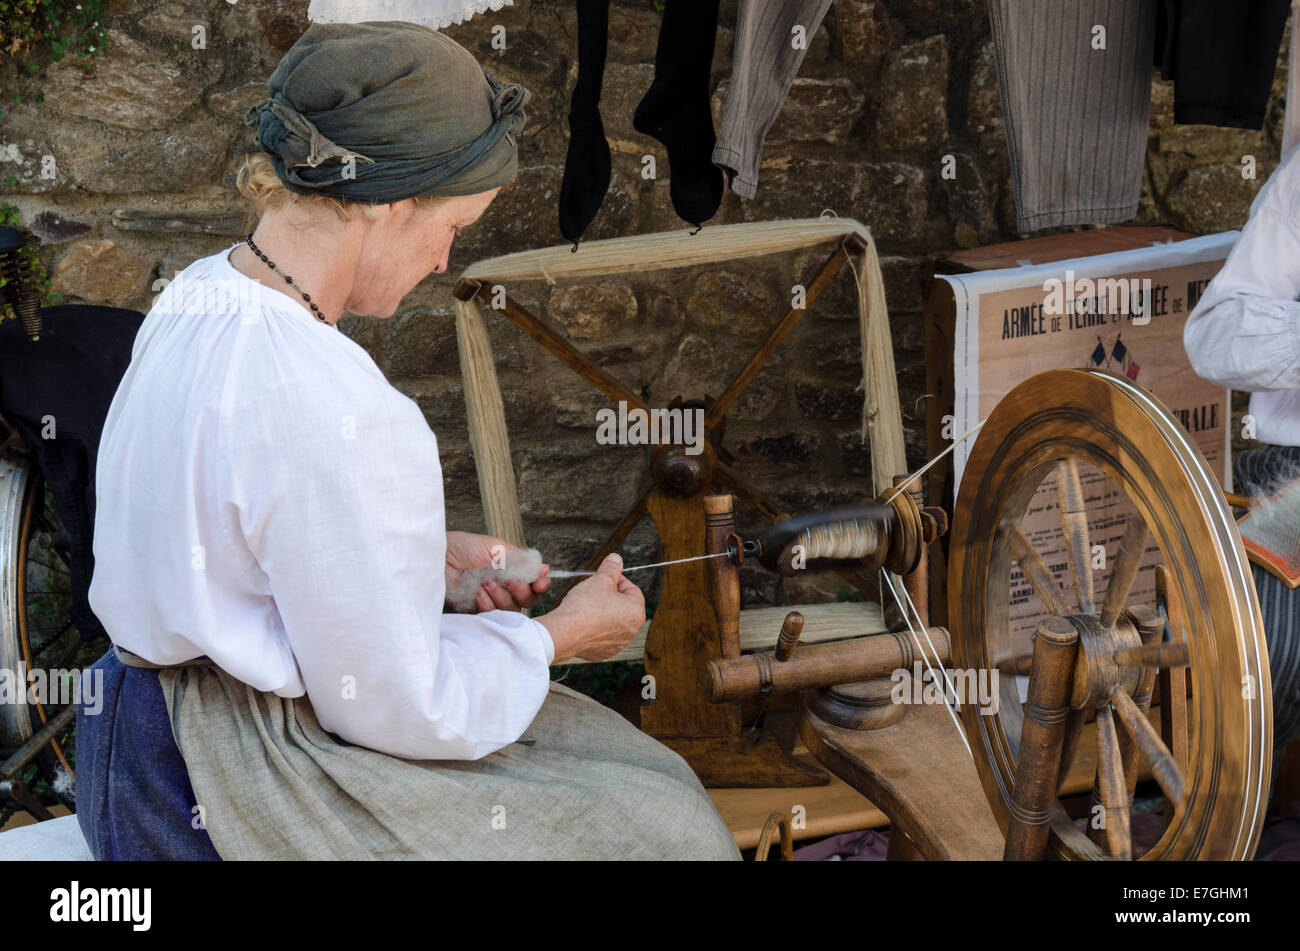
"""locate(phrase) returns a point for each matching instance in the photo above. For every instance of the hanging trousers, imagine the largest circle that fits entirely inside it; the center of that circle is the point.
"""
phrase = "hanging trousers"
(1221, 58)
(767, 54)
(1075, 79)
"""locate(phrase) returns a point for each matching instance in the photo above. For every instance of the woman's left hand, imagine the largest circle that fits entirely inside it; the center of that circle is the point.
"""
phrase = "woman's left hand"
(466, 551)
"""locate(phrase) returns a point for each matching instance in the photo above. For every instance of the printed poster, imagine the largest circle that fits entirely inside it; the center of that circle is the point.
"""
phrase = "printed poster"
(1122, 312)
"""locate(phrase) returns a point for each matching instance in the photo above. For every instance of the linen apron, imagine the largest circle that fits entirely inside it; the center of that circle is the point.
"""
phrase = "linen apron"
(581, 783)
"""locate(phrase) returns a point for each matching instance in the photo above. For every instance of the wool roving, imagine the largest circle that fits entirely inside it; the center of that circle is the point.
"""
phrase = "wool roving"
(521, 564)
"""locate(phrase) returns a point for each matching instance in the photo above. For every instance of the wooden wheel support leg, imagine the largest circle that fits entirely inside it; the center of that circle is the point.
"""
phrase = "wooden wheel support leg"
(685, 634)
(1050, 677)
(900, 847)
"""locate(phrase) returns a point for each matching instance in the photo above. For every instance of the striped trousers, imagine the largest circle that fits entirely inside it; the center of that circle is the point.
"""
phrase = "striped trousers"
(1075, 80)
(764, 63)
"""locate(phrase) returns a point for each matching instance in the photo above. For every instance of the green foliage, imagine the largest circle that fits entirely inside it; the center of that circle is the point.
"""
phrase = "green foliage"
(9, 217)
(35, 33)
(849, 594)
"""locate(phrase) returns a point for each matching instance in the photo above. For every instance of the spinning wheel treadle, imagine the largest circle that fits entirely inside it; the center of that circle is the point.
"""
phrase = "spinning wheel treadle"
(1095, 652)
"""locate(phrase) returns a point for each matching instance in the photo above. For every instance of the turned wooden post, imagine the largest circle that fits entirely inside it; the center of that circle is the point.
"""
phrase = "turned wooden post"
(1051, 676)
(723, 574)
(788, 639)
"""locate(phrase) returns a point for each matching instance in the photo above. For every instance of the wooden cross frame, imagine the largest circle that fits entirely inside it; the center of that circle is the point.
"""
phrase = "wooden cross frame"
(684, 633)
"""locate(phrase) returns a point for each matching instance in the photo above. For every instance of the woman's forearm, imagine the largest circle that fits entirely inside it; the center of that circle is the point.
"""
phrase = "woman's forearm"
(566, 635)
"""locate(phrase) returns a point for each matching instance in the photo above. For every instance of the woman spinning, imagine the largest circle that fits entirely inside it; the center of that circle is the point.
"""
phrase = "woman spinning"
(271, 552)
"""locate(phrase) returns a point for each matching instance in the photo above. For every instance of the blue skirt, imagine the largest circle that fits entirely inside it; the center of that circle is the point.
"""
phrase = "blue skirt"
(134, 799)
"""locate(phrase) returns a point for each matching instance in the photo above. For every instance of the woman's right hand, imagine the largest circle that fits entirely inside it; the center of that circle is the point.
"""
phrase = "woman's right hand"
(598, 617)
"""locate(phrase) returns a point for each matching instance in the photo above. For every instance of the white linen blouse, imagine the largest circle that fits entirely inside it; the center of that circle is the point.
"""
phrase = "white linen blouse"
(267, 498)
(1244, 332)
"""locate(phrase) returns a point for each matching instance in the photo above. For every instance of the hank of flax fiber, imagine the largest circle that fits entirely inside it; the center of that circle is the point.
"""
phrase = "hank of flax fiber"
(486, 417)
(1270, 533)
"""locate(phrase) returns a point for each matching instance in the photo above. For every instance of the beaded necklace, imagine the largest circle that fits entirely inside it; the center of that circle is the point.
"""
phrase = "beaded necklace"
(248, 239)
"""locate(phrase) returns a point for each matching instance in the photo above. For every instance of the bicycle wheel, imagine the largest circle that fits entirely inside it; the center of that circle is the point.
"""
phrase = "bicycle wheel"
(37, 633)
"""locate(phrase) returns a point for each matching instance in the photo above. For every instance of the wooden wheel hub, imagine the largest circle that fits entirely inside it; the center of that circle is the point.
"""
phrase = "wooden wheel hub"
(1095, 670)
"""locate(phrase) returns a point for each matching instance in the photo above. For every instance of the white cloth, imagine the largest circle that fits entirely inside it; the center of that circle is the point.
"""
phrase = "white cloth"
(55, 840)
(434, 14)
(266, 498)
(1245, 331)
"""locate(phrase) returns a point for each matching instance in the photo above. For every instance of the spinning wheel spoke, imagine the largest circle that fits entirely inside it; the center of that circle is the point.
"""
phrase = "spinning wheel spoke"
(1074, 522)
(1131, 548)
(729, 478)
(1017, 666)
(1166, 654)
(622, 529)
(1035, 571)
(1113, 788)
(778, 334)
(1163, 767)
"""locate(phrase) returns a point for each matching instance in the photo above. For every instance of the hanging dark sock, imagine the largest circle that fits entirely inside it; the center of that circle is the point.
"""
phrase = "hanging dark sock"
(587, 165)
(676, 108)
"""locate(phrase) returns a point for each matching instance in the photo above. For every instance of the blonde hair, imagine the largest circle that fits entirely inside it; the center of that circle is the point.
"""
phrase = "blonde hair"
(258, 182)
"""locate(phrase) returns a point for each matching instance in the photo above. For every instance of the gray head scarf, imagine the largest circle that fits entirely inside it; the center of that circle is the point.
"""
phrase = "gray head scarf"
(378, 112)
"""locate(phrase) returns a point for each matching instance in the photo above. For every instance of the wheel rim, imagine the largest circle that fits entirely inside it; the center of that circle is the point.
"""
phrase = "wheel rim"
(1107, 422)
(36, 629)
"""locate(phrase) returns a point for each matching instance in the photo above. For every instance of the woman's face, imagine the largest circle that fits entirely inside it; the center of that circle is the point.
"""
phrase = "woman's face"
(407, 244)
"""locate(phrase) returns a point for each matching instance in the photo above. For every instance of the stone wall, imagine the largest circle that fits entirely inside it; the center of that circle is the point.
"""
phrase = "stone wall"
(146, 155)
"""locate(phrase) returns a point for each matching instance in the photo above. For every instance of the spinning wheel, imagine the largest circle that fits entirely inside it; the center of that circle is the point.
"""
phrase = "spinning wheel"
(1096, 652)
(1092, 651)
